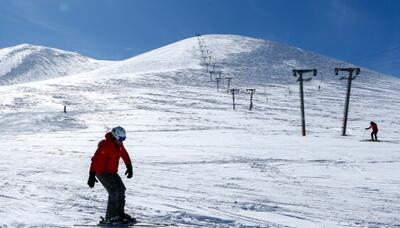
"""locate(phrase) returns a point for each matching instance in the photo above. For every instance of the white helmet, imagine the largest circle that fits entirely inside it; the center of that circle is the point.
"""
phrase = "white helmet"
(118, 133)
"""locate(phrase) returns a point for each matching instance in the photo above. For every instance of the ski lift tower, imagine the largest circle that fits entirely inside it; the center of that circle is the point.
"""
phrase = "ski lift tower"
(228, 79)
(218, 80)
(252, 91)
(211, 72)
(234, 91)
(299, 74)
(350, 78)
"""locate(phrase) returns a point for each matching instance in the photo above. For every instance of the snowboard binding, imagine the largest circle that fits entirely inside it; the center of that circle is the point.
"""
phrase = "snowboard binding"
(118, 220)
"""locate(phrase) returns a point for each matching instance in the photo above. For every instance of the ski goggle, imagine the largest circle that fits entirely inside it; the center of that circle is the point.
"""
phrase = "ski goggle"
(121, 139)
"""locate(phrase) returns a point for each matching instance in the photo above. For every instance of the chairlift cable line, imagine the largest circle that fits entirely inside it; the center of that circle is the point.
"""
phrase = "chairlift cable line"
(375, 54)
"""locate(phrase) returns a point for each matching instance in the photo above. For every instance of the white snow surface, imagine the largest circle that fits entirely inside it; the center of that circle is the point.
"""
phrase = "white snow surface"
(197, 162)
(26, 63)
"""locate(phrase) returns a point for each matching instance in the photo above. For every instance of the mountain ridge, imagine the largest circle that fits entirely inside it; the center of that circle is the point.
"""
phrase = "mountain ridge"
(247, 60)
(26, 62)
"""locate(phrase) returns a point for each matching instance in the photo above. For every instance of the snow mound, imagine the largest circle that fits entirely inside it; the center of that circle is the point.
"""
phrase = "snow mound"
(25, 63)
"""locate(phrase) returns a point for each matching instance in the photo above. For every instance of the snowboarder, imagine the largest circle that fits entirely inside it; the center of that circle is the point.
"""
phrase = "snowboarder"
(374, 130)
(104, 166)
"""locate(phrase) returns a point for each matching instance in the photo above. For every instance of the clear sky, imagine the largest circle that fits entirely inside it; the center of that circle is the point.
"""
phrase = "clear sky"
(365, 32)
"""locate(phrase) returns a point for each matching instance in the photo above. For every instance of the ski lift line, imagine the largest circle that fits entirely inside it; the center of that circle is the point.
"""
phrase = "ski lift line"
(387, 58)
(392, 62)
(376, 54)
(395, 62)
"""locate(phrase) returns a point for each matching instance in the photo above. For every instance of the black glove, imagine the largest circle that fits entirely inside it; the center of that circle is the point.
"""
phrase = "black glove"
(129, 172)
(92, 179)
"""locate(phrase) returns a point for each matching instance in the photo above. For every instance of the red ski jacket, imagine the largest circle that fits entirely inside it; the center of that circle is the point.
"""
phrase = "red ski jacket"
(106, 157)
(373, 126)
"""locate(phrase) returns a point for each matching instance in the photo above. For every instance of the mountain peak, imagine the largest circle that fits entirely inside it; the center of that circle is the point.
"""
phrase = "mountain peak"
(26, 45)
(27, 62)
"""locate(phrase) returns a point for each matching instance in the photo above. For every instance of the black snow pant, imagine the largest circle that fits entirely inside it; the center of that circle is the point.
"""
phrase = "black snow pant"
(374, 133)
(116, 194)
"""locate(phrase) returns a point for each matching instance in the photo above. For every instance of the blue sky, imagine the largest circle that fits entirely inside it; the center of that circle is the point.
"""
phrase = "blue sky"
(366, 32)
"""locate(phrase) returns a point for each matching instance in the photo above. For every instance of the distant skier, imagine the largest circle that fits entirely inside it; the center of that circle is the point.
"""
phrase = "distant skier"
(374, 130)
(104, 166)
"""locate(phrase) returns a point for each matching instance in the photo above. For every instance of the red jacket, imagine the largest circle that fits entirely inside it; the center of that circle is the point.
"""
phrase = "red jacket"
(106, 158)
(373, 126)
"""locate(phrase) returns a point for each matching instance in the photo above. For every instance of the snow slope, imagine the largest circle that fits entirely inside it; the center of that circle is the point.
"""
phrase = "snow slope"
(26, 63)
(198, 163)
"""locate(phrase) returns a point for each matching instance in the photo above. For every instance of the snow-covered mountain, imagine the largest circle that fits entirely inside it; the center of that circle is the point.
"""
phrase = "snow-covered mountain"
(249, 59)
(26, 63)
(197, 162)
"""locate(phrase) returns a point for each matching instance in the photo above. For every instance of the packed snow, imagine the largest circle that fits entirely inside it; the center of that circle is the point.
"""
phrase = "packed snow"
(197, 162)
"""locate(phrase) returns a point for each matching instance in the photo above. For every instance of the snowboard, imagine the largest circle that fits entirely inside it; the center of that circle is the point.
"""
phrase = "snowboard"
(137, 224)
(384, 141)
(368, 140)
